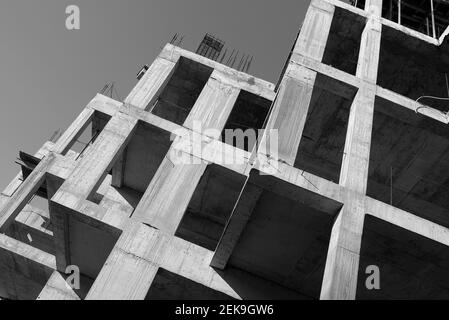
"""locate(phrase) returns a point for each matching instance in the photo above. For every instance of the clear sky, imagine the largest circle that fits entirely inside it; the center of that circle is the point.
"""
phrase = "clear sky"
(48, 74)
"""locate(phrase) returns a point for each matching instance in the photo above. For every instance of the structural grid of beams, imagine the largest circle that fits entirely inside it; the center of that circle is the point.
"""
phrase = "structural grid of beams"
(207, 183)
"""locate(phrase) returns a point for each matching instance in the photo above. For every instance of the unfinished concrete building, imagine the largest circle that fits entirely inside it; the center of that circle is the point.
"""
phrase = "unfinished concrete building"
(360, 179)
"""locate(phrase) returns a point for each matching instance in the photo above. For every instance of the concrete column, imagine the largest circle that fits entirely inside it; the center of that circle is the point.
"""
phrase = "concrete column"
(88, 174)
(315, 30)
(100, 156)
(290, 112)
(374, 5)
(168, 195)
(340, 275)
(293, 99)
(131, 266)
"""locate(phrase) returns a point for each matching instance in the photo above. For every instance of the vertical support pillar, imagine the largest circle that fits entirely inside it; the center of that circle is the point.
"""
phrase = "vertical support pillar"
(97, 161)
(85, 178)
(292, 103)
(143, 96)
(168, 195)
(340, 275)
(131, 266)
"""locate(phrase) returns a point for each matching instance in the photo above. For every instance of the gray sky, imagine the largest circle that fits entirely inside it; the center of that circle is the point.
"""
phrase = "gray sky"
(48, 74)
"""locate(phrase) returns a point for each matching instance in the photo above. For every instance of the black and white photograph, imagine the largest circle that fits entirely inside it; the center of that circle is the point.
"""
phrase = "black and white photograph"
(224, 158)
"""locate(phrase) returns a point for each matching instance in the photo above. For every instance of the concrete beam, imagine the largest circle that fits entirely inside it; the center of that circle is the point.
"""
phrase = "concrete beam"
(315, 30)
(168, 195)
(68, 138)
(412, 105)
(325, 69)
(99, 158)
(72, 198)
(214, 105)
(137, 256)
(245, 81)
(407, 221)
(145, 93)
(20, 198)
(130, 268)
(289, 111)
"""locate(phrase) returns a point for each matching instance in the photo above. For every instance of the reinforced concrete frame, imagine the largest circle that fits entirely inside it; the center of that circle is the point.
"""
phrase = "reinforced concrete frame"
(126, 240)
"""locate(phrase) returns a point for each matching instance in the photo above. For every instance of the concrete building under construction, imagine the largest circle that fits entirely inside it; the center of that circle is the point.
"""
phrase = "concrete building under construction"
(358, 178)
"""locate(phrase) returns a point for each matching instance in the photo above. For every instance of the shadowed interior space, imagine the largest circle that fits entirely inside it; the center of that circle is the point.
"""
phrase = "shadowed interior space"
(136, 167)
(181, 91)
(90, 240)
(410, 266)
(33, 225)
(249, 113)
(88, 134)
(323, 140)
(416, 15)
(414, 68)
(286, 238)
(409, 161)
(211, 206)
(32, 228)
(343, 45)
(21, 278)
(358, 3)
(170, 286)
